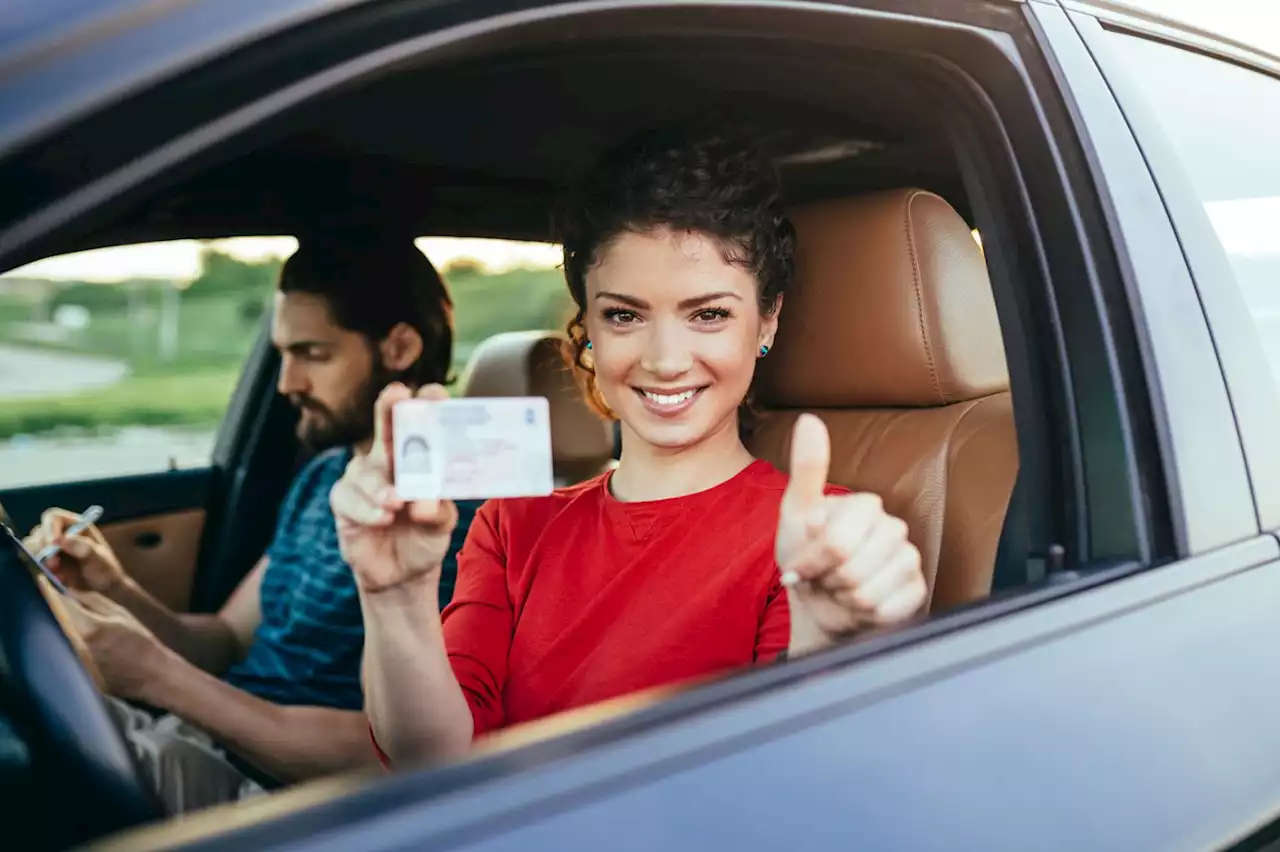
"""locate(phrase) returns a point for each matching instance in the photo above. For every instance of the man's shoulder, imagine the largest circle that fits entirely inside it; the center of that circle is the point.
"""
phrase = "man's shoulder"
(306, 509)
(327, 464)
(321, 473)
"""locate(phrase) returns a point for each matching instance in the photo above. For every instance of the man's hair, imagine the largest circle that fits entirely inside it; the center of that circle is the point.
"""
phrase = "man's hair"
(705, 179)
(370, 285)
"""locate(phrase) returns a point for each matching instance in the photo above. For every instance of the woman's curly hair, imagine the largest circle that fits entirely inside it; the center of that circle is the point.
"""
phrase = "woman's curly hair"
(685, 178)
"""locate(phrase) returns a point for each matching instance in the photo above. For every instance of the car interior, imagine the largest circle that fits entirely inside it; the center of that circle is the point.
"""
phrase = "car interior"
(531, 363)
(896, 331)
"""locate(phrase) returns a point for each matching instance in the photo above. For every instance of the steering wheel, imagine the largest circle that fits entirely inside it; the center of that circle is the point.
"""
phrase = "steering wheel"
(82, 764)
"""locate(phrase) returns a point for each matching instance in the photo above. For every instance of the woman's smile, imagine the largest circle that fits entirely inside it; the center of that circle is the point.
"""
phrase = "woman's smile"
(669, 402)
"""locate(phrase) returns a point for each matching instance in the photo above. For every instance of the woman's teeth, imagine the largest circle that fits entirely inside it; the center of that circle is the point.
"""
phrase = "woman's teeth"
(670, 399)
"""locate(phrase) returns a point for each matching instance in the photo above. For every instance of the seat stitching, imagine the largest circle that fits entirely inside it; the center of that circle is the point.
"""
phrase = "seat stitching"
(916, 281)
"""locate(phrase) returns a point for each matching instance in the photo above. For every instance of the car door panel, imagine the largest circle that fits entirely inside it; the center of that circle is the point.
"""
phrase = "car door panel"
(160, 552)
(1171, 711)
(154, 522)
(1135, 716)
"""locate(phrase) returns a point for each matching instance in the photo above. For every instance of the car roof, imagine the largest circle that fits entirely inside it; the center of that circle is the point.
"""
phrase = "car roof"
(482, 146)
(1251, 25)
(454, 169)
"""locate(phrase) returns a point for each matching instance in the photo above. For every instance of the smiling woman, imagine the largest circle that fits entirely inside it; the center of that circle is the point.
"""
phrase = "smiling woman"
(692, 557)
(660, 350)
(626, 232)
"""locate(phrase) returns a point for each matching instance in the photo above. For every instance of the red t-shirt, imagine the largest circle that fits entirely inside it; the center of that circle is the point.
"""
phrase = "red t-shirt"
(570, 599)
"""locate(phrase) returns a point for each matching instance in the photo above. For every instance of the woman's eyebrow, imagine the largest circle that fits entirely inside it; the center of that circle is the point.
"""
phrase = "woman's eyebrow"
(685, 304)
(626, 300)
(709, 297)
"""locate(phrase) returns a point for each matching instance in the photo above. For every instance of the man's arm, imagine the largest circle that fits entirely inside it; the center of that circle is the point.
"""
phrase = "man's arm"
(289, 743)
(213, 642)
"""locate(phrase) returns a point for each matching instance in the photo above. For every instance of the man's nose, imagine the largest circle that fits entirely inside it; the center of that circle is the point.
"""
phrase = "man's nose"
(292, 377)
(668, 354)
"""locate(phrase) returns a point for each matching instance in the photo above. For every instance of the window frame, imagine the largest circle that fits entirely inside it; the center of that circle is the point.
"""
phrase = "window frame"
(1081, 324)
(1253, 389)
(1211, 499)
(1114, 487)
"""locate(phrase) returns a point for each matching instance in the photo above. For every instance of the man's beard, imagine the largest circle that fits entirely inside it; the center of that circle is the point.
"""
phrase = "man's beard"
(348, 425)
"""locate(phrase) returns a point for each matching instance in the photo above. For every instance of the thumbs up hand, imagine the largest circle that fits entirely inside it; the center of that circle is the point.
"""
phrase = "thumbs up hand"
(846, 563)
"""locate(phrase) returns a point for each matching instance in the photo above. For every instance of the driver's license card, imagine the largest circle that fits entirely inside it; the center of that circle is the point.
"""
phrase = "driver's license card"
(472, 448)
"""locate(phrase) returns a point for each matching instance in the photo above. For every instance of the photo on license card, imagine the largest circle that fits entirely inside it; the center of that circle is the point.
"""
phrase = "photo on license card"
(472, 448)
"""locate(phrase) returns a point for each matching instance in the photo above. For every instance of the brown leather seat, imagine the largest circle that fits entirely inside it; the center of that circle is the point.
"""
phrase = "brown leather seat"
(528, 363)
(890, 335)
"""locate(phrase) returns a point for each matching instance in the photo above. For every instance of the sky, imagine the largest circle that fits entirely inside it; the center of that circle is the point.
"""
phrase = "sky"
(180, 259)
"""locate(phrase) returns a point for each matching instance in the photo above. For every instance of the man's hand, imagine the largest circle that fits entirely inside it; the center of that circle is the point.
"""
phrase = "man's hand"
(127, 654)
(389, 543)
(847, 564)
(86, 563)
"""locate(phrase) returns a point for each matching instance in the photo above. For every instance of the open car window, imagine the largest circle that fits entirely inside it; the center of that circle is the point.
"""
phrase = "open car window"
(497, 286)
(121, 361)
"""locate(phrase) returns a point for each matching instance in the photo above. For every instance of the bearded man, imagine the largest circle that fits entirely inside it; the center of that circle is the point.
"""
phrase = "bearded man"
(269, 686)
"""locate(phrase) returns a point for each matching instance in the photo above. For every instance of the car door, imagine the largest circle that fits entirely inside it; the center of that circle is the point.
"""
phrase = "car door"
(1200, 110)
(118, 390)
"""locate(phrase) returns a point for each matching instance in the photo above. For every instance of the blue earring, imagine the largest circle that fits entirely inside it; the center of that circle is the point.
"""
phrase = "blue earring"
(764, 350)
(588, 344)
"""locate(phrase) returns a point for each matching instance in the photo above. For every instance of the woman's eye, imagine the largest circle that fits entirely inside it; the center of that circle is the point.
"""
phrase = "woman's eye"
(620, 316)
(712, 315)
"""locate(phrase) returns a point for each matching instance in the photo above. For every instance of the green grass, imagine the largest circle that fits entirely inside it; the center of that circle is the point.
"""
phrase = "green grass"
(197, 399)
(215, 335)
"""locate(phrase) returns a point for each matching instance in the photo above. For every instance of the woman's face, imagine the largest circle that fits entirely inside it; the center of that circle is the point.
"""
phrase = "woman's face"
(675, 333)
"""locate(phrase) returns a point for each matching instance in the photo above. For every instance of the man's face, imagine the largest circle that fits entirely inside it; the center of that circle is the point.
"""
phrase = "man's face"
(332, 375)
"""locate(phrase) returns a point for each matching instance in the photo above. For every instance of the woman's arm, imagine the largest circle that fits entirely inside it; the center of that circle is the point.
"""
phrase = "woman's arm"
(396, 549)
(415, 706)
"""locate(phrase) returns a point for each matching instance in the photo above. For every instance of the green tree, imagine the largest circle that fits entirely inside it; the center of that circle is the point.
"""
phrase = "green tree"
(224, 275)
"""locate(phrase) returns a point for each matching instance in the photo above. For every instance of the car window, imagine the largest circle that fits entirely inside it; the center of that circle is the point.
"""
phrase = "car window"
(1220, 119)
(121, 361)
(497, 286)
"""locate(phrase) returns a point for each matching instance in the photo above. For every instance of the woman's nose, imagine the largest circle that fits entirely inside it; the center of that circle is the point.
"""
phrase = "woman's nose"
(668, 354)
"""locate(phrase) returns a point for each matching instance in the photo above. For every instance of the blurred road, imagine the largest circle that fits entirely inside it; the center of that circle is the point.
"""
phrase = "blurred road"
(28, 371)
(32, 461)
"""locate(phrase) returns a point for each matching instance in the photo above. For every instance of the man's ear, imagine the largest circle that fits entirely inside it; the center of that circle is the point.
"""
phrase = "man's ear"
(401, 347)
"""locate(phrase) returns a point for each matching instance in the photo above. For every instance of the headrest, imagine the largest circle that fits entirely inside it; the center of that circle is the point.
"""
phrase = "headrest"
(528, 363)
(890, 306)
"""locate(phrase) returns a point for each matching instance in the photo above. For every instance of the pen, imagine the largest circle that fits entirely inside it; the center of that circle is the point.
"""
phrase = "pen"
(86, 520)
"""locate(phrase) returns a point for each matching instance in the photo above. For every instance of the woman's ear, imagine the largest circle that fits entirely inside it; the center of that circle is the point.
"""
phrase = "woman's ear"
(400, 348)
(769, 323)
